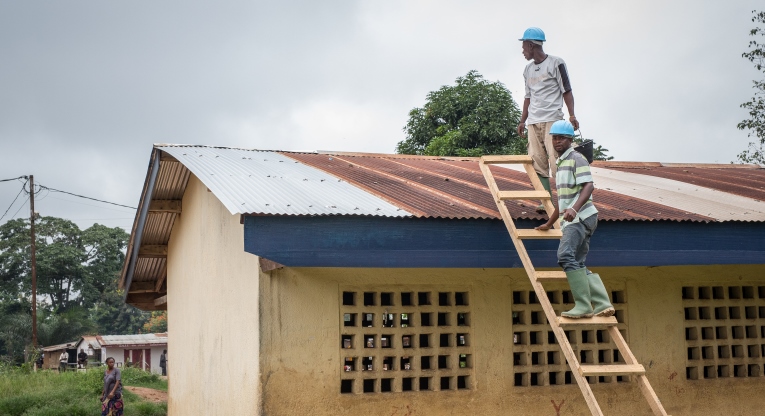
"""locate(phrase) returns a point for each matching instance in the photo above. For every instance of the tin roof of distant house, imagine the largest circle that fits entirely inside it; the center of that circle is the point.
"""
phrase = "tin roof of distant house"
(68, 345)
(90, 340)
(137, 340)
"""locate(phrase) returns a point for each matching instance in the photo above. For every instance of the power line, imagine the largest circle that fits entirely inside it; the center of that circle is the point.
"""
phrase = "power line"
(72, 201)
(12, 179)
(85, 197)
(14, 199)
(22, 206)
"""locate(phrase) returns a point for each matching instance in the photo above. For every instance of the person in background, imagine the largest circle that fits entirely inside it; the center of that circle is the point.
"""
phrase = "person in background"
(111, 397)
(82, 358)
(163, 362)
(40, 359)
(547, 87)
(63, 359)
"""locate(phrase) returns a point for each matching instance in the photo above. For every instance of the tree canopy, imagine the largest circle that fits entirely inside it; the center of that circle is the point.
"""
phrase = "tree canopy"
(756, 106)
(474, 117)
(77, 274)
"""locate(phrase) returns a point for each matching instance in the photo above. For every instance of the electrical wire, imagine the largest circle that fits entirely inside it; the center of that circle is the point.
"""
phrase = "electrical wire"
(13, 179)
(71, 201)
(85, 197)
(22, 206)
(14, 201)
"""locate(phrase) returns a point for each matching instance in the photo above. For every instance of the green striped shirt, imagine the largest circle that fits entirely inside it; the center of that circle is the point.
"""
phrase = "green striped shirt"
(573, 173)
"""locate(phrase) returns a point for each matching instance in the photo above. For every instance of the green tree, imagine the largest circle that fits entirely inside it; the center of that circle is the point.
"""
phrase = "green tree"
(104, 256)
(74, 268)
(756, 106)
(157, 322)
(52, 329)
(474, 117)
(77, 274)
(113, 316)
(60, 257)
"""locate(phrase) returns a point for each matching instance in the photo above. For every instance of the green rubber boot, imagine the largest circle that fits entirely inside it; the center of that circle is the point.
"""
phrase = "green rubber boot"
(580, 288)
(546, 185)
(601, 305)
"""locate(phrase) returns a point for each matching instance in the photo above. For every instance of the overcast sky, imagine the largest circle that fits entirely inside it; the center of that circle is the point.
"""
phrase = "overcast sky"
(86, 87)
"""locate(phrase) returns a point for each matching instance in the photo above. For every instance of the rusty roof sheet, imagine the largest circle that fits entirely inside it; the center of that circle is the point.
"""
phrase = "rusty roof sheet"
(341, 183)
(681, 193)
(455, 188)
(259, 182)
(741, 181)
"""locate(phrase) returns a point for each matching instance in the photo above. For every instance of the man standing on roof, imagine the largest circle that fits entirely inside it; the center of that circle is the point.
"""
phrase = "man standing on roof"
(580, 219)
(547, 88)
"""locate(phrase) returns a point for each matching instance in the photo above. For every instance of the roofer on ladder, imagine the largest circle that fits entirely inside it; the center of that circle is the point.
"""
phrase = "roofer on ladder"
(573, 182)
(547, 88)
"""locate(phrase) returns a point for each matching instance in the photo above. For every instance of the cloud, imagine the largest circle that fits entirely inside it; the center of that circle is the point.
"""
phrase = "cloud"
(89, 86)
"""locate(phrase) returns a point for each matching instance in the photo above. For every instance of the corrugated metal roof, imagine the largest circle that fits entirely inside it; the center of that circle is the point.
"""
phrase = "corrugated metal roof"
(136, 339)
(59, 347)
(90, 340)
(747, 181)
(456, 188)
(340, 183)
(268, 183)
(713, 203)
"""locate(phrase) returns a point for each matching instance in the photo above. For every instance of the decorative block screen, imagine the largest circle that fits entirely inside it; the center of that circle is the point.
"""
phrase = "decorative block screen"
(724, 331)
(396, 341)
(537, 357)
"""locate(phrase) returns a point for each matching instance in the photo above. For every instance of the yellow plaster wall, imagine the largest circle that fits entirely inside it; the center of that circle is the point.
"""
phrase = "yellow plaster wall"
(300, 338)
(212, 311)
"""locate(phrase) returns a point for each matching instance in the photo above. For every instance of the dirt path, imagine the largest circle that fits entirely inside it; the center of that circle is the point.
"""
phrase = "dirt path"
(152, 395)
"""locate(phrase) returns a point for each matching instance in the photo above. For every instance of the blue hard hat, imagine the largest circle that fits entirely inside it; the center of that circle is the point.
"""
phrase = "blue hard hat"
(533, 33)
(562, 128)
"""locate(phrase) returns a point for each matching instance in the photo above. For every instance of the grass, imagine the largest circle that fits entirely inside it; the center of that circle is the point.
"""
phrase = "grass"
(48, 393)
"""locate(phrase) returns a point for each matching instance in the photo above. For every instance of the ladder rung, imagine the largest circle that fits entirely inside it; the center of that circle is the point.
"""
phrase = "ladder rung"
(554, 275)
(612, 370)
(507, 195)
(594, 321)
(506, 159)
(532, 234)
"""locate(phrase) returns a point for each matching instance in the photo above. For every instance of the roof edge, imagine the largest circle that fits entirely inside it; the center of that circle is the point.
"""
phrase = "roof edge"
(599, 163)
(628, 164)
(136, 234)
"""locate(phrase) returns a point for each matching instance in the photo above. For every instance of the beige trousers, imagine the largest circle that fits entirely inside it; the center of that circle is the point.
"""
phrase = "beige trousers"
(541, 149)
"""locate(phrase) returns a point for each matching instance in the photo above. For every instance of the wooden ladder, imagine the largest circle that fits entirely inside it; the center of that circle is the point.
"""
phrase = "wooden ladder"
(631, 367)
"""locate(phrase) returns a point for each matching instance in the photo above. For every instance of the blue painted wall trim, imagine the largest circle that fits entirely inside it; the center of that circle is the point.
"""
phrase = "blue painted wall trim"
(345, 241)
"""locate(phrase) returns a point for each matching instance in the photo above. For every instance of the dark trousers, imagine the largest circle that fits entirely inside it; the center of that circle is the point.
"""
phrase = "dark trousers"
(575, 243)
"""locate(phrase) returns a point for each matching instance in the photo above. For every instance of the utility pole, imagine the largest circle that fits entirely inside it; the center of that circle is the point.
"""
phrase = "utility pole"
(33, 258)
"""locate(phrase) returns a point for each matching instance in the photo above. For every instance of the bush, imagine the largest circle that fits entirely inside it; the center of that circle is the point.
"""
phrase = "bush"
(48, 393)
(137, 376)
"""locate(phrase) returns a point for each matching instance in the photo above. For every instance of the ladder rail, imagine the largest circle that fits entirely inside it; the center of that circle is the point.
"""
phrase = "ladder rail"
(552, 318)
(643, 383)
(544, 301)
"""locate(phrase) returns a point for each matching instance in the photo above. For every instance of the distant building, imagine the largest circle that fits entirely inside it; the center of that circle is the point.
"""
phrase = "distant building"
(365, 284)
(89, 343)
(52, 354)
(137, 351)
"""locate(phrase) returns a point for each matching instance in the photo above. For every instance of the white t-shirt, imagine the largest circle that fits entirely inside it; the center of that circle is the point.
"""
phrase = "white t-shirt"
(545, 84)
